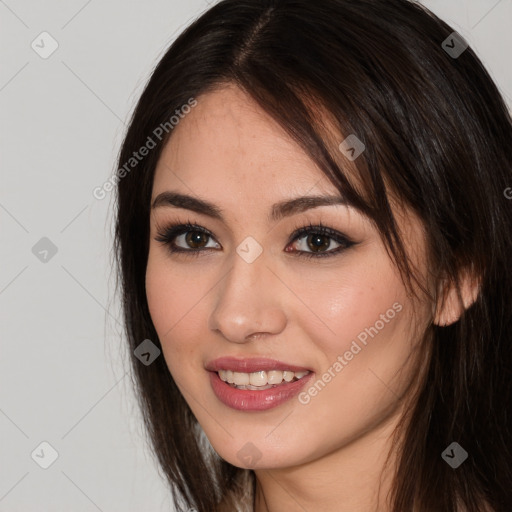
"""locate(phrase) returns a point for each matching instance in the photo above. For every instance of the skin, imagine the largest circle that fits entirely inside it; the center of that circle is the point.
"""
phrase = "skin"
(328, 454)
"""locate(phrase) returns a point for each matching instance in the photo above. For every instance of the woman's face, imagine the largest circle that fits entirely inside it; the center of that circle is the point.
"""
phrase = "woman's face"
(254, 301)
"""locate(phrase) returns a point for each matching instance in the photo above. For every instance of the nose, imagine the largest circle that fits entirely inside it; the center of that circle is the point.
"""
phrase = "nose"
(247, 303)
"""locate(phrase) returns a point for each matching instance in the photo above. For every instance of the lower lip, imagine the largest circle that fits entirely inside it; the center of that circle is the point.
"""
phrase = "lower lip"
(253, 400)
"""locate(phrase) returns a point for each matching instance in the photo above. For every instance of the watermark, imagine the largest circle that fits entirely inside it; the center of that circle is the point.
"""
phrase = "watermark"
(44, 455)
(249, 249)
(137, 156)
(249, 455)
(508, 192)
(454, 455)
(355, 348)
(44, 250)
(44, 45)
(352, 147)
(454, 45)
(146, 352)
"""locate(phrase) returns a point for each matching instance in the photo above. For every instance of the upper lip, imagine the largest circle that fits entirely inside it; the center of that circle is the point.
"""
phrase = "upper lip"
(250, 365)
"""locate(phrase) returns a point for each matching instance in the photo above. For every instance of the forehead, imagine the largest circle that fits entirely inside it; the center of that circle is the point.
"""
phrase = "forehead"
(227, 147)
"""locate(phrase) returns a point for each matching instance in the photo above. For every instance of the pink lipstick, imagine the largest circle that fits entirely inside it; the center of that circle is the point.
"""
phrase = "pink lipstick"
(256, 384)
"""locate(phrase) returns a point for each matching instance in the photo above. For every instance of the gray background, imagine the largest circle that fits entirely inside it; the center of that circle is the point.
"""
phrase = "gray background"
(63, 365)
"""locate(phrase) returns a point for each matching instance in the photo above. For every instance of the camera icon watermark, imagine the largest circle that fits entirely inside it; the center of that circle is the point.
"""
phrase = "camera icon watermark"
(454, 455)
(44, 45)
(44, 455)
(44, 250)
(249, 455)
(147, 352)
(454, 45)
(249, 249)
(352, 147)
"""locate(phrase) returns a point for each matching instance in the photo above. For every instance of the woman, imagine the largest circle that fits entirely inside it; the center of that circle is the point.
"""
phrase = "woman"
(312, 229)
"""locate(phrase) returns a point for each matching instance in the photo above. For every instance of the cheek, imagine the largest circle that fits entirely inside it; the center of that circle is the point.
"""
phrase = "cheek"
(161, 296)
(360, 331)
(360, 337)
(174, 301)
(346, 303)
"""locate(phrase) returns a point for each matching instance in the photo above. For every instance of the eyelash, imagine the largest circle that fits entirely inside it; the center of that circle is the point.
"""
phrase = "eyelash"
(172, 231)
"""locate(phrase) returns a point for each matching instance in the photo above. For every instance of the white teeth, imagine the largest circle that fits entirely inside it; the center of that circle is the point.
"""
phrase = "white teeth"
(288, 376)
(241, 379)
(259, 380)
(274, 377)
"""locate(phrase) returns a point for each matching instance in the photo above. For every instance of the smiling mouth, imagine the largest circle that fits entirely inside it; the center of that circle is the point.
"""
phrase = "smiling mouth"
(260, 380)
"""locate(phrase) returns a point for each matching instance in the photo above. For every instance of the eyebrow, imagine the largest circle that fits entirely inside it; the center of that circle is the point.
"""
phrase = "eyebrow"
(278, 210)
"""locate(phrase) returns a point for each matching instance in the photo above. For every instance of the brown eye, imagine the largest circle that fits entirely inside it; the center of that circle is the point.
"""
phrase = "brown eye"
(187, 238)
(196, 239)
(318, 242)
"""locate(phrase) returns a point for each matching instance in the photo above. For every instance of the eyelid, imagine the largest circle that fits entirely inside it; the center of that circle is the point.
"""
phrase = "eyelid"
(339, 237)
(172, 231)
(303, 229)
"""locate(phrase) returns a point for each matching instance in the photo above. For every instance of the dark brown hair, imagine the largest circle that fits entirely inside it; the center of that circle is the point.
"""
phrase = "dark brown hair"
(438, 135)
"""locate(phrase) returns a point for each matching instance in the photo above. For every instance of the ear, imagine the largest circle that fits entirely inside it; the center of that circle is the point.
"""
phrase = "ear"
(449, 308)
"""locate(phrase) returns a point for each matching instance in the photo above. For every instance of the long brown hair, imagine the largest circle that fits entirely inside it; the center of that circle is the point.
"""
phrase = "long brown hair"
(438, 134)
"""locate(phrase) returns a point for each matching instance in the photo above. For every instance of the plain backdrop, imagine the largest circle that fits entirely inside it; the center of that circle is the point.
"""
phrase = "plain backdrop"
(63, 366)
